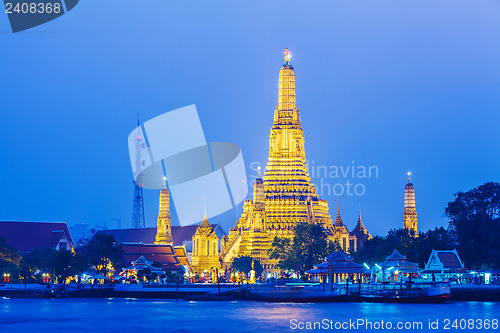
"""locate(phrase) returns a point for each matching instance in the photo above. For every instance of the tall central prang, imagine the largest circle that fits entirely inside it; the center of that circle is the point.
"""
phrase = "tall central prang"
(290, 196)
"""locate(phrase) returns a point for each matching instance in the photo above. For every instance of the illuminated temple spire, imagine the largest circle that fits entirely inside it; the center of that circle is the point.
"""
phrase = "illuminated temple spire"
(164, 223)
(338, 219)
(258, 191)
(360, 225)
(410, 213)
(289, 194)
(205, 223)
(361, 233)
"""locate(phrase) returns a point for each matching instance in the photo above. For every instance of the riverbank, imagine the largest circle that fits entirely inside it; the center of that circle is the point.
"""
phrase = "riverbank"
(479, 293)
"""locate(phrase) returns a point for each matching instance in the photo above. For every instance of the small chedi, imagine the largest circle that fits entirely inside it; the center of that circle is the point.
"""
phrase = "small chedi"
(164, 222)
(283, 197)
(410, 213)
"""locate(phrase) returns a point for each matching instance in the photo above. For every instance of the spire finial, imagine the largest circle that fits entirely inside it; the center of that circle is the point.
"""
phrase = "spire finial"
(288, 55)
(409, 174)
(205, 215)
(164, 182)
(258, 173)
(359, 207)
(338, 205)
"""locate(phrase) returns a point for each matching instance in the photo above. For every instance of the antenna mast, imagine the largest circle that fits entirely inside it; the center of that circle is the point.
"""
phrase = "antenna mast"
(138, 220)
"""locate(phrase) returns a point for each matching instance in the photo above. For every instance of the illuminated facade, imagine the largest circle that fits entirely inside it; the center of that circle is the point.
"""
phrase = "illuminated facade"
(285, 195)
(250, 236)
(410, 212)
(282, 198)
(290, 197)
(205, 254)
(164, 223)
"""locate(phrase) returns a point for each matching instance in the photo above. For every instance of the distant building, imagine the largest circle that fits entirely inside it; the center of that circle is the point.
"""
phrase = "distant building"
(444, 263)
(28, 236)
(410, 220)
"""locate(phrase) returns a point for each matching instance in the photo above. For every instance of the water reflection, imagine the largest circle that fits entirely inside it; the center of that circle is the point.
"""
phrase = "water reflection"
(127, 315)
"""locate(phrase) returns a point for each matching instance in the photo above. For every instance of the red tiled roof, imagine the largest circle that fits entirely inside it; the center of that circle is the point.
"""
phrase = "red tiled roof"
(28, 236)
(163, 254)
(181, 254)
(449, 260)
(147, 235)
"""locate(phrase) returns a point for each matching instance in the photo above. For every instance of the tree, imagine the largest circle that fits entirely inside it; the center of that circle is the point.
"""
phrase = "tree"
(9, 259)
(373, 250)
(244, 264)
(437, 239)
(80, 264)
(103, 250)
(8, 253)
(63, 264)
(475, 224)
(416, 249)
(309, 246)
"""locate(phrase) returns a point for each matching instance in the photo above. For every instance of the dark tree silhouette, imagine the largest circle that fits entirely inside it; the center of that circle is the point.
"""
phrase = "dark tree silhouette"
(475, 223)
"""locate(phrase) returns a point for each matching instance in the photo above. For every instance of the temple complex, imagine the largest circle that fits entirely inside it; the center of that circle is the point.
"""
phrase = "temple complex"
(282, 198)
(410, 212)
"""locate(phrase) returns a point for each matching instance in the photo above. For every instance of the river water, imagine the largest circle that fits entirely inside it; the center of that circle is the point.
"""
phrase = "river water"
(139, 315)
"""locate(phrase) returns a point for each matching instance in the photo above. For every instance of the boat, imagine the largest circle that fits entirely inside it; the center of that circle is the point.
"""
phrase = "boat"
(428, 292)
(294, 293)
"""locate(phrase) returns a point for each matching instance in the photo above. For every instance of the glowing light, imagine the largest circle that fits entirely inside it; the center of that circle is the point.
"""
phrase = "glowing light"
(288, 55)
(409, 173)
(366, 265)
(378, 266)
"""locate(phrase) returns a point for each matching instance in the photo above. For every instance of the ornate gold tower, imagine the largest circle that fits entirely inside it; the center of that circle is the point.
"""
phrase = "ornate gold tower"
(164, 223)
(290, 197)
(205, 256)
(285, 195)
(255, 239)
(410, 213)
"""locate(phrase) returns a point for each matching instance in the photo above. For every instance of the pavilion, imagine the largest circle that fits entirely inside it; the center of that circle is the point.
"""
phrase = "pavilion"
(340, 267)
(397, 267)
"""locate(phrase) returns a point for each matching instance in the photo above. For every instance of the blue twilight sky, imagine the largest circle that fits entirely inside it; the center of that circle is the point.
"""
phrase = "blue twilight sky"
(400, 85)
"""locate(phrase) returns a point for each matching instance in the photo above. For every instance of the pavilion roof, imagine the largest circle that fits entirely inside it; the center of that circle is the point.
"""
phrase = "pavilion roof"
(395, 255)
(339, 256)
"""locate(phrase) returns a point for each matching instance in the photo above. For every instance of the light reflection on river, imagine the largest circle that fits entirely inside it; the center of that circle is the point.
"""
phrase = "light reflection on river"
(128, 315)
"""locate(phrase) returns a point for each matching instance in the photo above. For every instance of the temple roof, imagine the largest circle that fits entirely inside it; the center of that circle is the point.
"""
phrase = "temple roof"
(395, 255)
(339, 256)
(28, 236)
(141, 261)
(163, 254)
